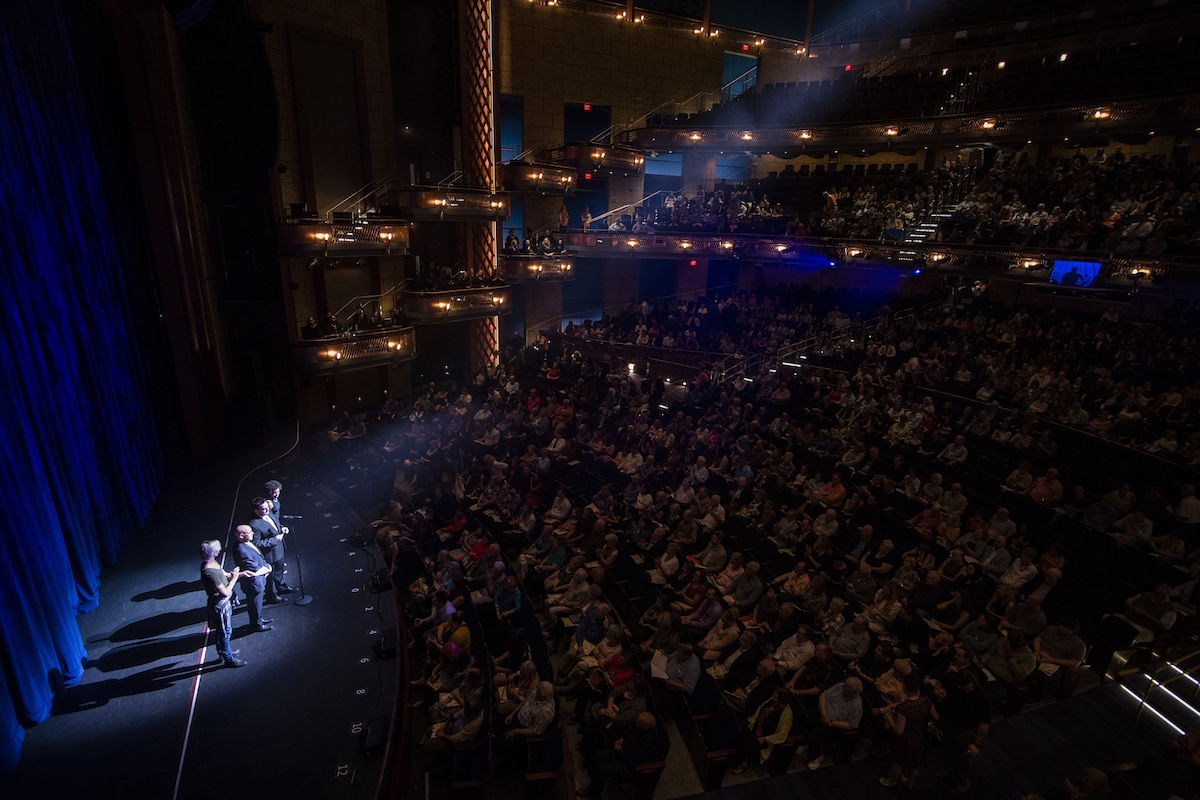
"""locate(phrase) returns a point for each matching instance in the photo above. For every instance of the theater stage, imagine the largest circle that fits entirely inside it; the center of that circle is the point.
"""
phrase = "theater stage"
(291, 722)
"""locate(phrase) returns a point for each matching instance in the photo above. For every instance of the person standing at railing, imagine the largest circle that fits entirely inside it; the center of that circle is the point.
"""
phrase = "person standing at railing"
(311, 330)
(331, 327)
(587, 219)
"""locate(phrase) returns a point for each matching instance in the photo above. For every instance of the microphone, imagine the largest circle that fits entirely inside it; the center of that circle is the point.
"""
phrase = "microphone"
(290, 516)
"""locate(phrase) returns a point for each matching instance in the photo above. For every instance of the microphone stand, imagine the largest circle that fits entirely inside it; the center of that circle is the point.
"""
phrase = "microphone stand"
(303, 599)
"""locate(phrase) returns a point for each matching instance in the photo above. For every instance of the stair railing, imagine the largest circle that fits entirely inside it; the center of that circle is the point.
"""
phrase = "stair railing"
(1156, 684)
(394, 292)
(703, 102)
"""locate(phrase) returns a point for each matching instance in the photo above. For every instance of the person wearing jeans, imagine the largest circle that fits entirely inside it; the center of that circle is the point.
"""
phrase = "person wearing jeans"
(218, 584)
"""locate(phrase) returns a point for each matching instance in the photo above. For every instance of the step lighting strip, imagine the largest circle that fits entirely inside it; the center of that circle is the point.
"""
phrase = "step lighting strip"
(1157, 713)
(1184, 674)
(1159, 686)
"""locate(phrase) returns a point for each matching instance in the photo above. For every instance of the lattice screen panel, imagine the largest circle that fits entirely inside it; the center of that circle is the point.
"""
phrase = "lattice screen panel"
(485, 342)
(478, 146)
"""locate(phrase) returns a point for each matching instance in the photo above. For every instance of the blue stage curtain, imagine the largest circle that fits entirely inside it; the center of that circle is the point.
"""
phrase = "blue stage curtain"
(81, 461)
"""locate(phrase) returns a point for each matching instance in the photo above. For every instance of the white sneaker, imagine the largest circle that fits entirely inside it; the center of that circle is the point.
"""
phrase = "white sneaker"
(816, 762)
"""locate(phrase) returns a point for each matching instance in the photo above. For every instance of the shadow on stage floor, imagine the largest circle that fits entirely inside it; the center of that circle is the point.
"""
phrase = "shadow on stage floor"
(93, 695)
(167, 592)
(158, 625)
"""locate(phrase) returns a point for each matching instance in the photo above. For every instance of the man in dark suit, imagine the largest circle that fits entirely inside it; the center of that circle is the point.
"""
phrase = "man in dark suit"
(268, 538)
(644, 742)
(254, 573)
(758, 690)
(423, 535)
(272, 489)
(407, 565)
(741, 659)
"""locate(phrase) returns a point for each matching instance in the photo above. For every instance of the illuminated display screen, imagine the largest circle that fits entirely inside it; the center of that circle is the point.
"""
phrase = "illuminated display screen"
(1074, 273)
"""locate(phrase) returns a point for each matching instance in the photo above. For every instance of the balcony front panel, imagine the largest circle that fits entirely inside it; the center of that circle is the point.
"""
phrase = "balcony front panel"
(353, 238)
(603, 159)
(431, 308)
(533, 178)
(537, 268)
(354, 351)
(1014, 127)
(452, 204)
(1026, 263)
(683, 245)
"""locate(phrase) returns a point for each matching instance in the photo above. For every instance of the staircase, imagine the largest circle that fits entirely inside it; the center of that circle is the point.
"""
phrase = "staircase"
(922, 232)
(1164, 688)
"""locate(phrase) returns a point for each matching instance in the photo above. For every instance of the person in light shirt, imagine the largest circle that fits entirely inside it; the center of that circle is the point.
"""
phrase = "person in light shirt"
(1187, 511)
(840, 710)
(1001, 524)
(1021, 571)
(1047, 489)
(1133, 529)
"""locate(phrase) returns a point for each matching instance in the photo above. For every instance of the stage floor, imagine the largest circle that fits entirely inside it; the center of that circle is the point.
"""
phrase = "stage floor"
(290, 723)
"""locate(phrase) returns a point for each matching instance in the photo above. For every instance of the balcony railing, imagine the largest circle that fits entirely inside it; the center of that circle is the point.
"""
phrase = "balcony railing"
(359, 237)
(909, 255)
(614, 243)
(604, 159)
(451, 203)
(537, 178)
(354, 351)
(905, 131)
(457, 304)
(535, 268)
